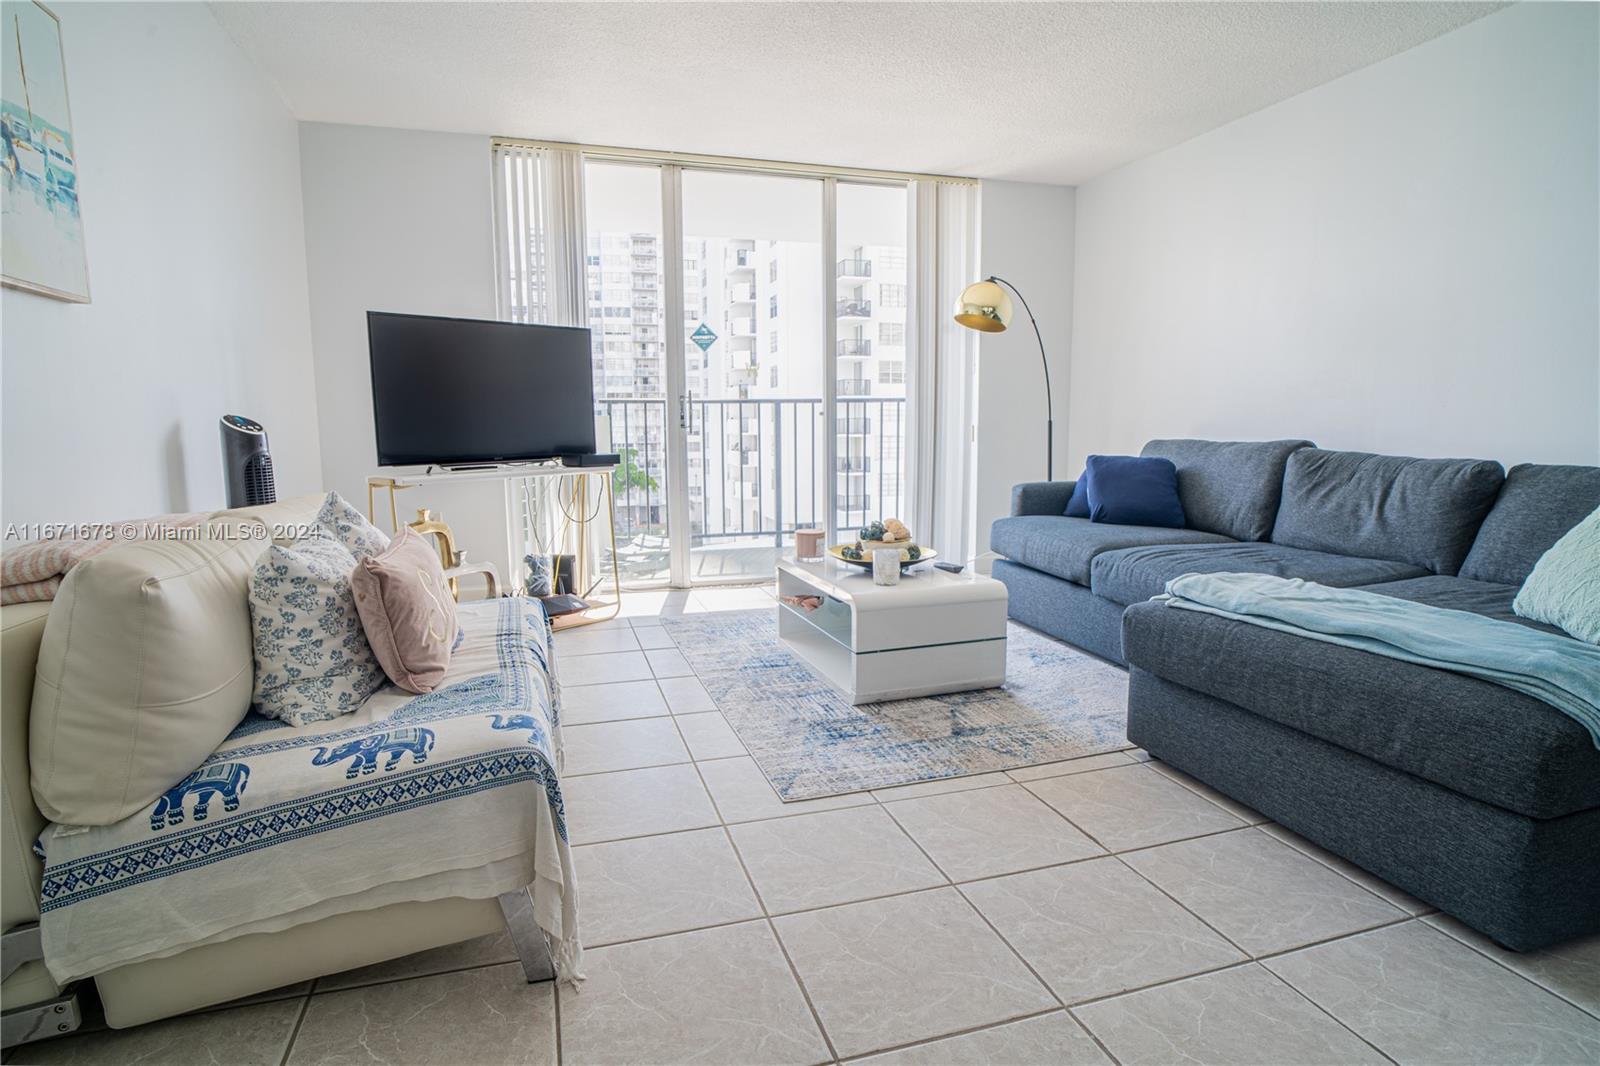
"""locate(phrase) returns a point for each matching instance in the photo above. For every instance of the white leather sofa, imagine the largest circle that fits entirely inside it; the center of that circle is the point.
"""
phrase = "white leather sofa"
(35, 1006)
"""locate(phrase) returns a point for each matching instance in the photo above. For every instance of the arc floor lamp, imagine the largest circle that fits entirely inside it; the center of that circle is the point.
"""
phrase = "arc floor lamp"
(986, 307)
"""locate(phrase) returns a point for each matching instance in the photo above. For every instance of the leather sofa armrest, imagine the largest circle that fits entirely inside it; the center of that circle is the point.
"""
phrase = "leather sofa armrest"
(1041, 497)
(21, 630)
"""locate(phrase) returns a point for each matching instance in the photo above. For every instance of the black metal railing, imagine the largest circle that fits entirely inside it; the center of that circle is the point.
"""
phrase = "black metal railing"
(853, 387)
(853, 348)
(755, 465)
(855, 268)
(854, 309)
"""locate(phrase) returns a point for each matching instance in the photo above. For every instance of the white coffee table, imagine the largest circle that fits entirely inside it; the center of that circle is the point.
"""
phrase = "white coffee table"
(933, 632)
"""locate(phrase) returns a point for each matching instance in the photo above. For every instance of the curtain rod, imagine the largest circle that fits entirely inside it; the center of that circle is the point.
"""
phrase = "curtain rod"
(722, 162)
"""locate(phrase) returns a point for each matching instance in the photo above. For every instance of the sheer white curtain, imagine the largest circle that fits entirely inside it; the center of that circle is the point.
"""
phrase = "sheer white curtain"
(942, 367)
(539, 240)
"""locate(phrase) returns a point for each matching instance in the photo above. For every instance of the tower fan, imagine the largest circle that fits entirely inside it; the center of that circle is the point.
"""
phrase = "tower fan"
(246, 462)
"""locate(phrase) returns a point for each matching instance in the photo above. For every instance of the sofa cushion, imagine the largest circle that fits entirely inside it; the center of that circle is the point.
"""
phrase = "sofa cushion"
(1041, 497)
(407, 611)
(313, 661)
(1564, 588)
(143, 670)
(1230, 487)
(1420, 511)
(1476, 737)
(1078, 502)
(1133, 490)
(1535, 508)
(1133, 574)
(1065, 546)
(1488, 598)
(360, 538)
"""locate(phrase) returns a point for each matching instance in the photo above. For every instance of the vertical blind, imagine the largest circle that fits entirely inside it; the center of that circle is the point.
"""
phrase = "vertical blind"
(539, 235)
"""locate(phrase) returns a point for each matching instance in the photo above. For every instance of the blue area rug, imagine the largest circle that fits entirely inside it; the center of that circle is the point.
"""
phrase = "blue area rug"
(1058, 703)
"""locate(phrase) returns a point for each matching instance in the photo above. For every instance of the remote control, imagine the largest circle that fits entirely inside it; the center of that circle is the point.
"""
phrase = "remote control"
(949, 568)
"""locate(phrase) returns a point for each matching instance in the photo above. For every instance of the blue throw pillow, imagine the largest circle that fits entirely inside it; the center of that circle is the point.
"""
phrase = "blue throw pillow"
(1078, 506)
(1131, 490)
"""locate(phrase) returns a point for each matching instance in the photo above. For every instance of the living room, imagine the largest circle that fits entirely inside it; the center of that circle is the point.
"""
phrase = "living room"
(783, 532)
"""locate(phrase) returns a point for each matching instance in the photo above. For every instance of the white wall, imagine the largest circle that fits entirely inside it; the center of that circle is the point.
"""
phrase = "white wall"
(1403, 260)
(1027, 239)
(396, 220)
(190, 176)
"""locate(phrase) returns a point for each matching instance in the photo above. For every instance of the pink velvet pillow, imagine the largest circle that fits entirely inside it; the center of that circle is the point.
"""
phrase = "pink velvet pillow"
(407, 610)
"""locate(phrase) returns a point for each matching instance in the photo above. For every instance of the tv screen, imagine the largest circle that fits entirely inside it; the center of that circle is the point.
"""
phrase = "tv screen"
(452, 391)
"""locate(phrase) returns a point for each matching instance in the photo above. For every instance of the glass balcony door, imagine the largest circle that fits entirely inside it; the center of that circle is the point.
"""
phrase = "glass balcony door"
(755, 366)
(870, 356)
(627, 281)
(749, 335)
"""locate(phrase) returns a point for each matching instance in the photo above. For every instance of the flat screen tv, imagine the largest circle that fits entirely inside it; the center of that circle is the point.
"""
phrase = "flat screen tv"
(460, 391)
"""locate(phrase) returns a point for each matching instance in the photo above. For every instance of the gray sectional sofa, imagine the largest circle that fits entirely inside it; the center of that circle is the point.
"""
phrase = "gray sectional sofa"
(1475, 798)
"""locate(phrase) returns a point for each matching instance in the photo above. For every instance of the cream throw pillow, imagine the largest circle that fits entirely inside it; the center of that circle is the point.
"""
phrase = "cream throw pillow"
(145, 667)
(1564, 588)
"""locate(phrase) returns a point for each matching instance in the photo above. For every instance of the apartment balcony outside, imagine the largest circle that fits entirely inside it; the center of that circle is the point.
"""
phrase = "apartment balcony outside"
(742, 294)
(741, 259)
(854, 308)
(743, 327)
(853, 387)
(756, 468)
(855, 268)
(853, 348)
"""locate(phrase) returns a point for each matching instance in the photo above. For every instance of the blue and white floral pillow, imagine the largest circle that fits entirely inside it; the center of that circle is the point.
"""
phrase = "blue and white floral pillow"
(360, 538)
(313, 662)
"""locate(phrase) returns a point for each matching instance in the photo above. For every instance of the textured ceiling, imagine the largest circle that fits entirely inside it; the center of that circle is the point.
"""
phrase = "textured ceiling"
(1054, 92)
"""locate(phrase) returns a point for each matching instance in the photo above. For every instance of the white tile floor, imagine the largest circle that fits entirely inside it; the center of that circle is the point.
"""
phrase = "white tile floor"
(1104, 910)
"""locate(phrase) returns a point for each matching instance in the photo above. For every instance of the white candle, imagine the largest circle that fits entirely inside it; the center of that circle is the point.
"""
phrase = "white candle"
(886, 566)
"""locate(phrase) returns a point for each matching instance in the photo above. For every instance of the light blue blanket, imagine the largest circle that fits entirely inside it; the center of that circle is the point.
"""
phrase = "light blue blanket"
(1563, 672)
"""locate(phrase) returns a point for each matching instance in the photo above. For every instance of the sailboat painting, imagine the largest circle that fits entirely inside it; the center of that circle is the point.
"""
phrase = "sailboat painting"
(41, 224)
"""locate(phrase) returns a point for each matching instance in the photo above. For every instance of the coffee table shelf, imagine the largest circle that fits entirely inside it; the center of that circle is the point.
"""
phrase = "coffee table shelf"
(933, 633)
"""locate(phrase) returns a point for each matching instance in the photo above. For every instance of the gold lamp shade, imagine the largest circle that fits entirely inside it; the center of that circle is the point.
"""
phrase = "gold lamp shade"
(985, 307)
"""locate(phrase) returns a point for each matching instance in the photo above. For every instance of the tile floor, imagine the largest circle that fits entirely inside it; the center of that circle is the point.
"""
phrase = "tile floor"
(1109, 909)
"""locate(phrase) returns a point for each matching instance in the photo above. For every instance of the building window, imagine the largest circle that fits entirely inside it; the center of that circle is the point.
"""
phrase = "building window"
(892, 261)
(774, 377)
(892, 295)
(892, 372)
(892, 333)
(772, 270)
(772, 343)
(772, 307)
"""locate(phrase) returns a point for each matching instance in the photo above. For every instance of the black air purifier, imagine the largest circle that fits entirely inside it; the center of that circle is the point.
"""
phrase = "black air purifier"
(246, 462)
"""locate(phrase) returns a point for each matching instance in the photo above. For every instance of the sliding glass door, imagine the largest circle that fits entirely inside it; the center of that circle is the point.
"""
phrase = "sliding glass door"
(749, 359)
(870, 355)
(754, 366)
(626, 302)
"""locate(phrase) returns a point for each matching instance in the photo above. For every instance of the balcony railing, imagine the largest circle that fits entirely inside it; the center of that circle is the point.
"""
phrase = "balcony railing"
(855, 268)
(854, 387)
(758, 466)
(854, 308)
(857, 348)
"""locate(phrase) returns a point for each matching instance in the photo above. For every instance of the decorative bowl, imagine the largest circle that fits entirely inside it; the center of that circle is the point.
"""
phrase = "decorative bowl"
(837, 551)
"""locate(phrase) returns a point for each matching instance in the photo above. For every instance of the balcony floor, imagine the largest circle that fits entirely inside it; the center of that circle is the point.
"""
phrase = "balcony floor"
(723, 561)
